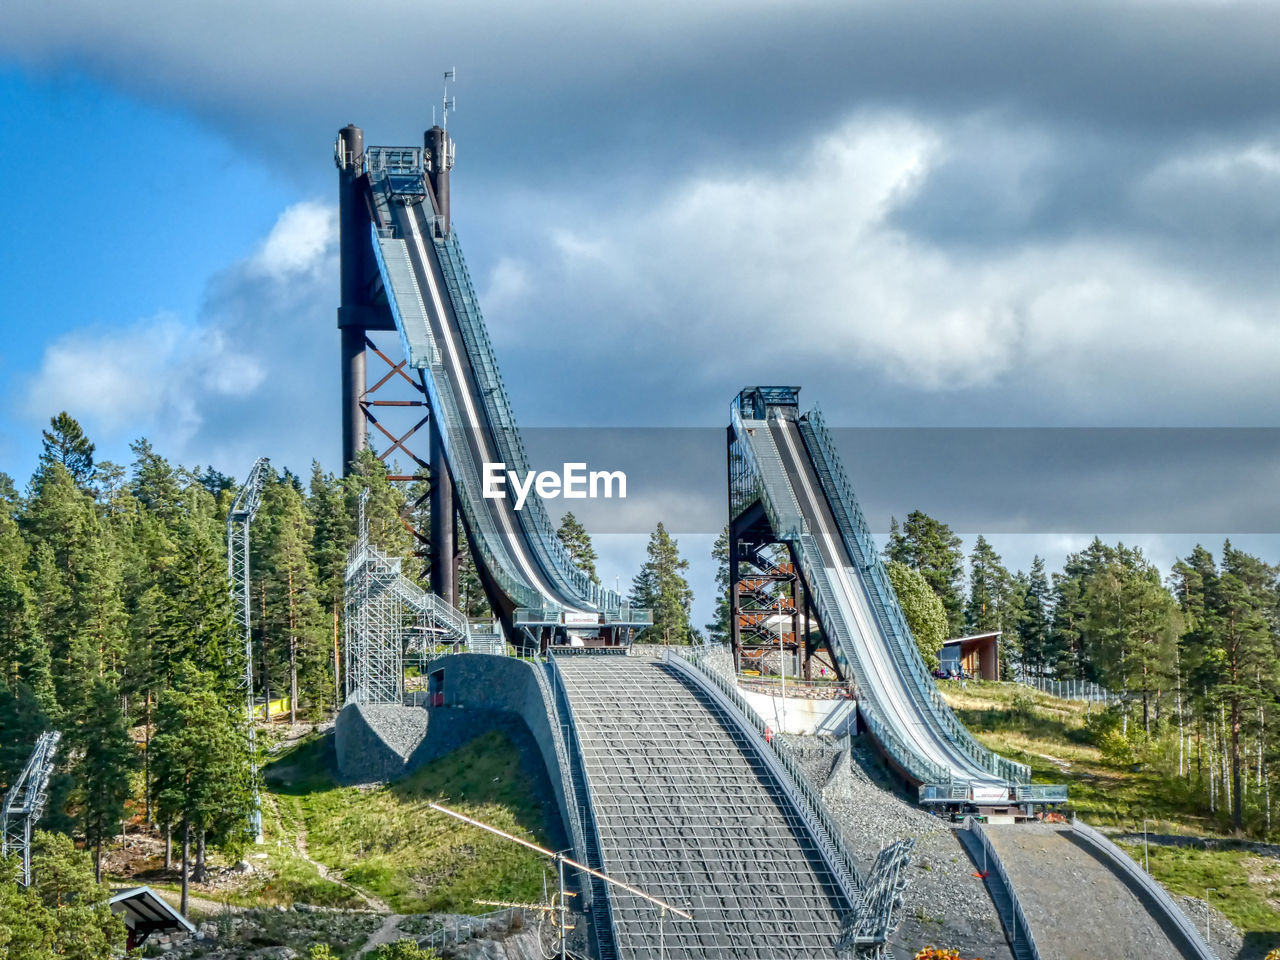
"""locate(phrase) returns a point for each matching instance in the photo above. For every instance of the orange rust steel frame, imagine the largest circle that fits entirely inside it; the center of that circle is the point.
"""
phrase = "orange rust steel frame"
(399, 442)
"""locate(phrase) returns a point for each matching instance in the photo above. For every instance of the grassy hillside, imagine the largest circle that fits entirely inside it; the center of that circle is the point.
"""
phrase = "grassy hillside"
(1052, 736)
(1121, 788)
(389, 843)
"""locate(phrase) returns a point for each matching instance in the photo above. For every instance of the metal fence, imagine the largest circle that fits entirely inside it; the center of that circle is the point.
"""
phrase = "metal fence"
(1070, 689)
(457, 929)
(1021, 942)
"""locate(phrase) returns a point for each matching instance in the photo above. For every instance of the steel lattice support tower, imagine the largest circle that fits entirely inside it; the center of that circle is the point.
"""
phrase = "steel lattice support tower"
(24, 803)
(239, 519)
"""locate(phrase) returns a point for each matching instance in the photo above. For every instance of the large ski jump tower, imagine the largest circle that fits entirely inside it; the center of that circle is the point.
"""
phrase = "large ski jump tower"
(364, 310)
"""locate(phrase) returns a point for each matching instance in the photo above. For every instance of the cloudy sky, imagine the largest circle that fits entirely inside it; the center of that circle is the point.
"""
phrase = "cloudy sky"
(991, 214)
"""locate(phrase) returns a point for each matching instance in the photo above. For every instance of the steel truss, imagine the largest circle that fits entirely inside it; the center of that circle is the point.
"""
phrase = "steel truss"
(24, 803)
(387, 616)
(239, 518)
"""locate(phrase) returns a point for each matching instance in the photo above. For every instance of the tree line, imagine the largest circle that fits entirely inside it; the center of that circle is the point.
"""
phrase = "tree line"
(116, 627)
(1193, 653)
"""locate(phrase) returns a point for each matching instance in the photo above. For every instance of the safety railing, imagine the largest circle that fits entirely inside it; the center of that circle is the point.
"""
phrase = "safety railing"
(784, 517)
(822, 825)
(454, 930)
(1128, 867)
(497, 405)
(435, 606)
(602, 898)
(870, 570)
(1040, 793)
(576, 827)
(1015, 923)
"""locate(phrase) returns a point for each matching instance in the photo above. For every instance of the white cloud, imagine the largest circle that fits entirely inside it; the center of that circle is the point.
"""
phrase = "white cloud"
(158, 372)
(243, 379)
(299, 241)
(800, 266)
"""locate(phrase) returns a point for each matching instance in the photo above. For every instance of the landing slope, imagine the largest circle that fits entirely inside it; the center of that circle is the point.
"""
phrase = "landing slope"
(688, 812)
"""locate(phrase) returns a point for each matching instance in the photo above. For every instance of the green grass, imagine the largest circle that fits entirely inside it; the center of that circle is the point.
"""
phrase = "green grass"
(388, 842)
(1049, 735)
(1239, 879)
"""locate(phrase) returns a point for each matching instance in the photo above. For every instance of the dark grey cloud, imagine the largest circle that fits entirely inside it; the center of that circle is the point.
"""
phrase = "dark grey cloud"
(558, 87)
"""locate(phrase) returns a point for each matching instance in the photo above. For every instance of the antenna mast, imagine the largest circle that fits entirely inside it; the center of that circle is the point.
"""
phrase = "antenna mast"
(447, 102)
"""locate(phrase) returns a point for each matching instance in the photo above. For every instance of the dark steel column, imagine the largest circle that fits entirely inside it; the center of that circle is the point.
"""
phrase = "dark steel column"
(353, 238)
(443, 582)
(436, 142)
(355, 432)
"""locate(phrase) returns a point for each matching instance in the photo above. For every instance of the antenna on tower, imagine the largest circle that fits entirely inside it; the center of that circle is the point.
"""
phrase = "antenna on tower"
(448, 102)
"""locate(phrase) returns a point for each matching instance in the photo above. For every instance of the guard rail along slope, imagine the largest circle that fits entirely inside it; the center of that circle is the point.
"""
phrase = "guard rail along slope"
(1021, 942)
(787, 463)
(1162, 906)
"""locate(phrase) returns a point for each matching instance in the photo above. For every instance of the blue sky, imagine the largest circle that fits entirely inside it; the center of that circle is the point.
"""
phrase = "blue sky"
(997, 214)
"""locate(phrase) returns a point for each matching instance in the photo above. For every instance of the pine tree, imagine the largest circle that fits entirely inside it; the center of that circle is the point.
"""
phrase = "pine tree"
(989, 590)
(1033, 624)
(472, 600)
(78, 590)
(194, 612)
(1246, 595)
(64, 913)
(200, 760)
(66, 445)
(385, 508)
(155, 483)
(660, 586)
(1071, 610)
(577, 541)
(927, 545)
(331, 537)
(22, 720)
(1131, 627)
(293, 619)
(24, 656)
(721, 629)
(924, 612)
(108, 758)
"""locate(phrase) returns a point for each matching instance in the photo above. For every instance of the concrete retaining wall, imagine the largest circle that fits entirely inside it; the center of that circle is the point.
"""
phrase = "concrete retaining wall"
(803, 716)
(376, 741)
(481, 693)
(503, 685)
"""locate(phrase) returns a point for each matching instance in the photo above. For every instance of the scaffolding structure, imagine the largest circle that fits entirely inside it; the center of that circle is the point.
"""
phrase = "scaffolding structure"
(389, 616)
(25, 800)
(239, 518)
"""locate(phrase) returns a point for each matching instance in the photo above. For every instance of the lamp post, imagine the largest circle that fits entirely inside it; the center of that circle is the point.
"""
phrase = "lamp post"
(1146, 860)
(1207, 915)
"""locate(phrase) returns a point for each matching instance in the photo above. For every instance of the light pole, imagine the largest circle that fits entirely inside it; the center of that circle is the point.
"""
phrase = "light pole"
(1207, 915)
(1146, 860)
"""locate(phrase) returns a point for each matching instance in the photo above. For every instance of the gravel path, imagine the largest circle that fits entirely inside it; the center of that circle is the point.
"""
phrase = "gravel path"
(1049, 872)
(203, 906)
(388, 933)
(944, 904)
